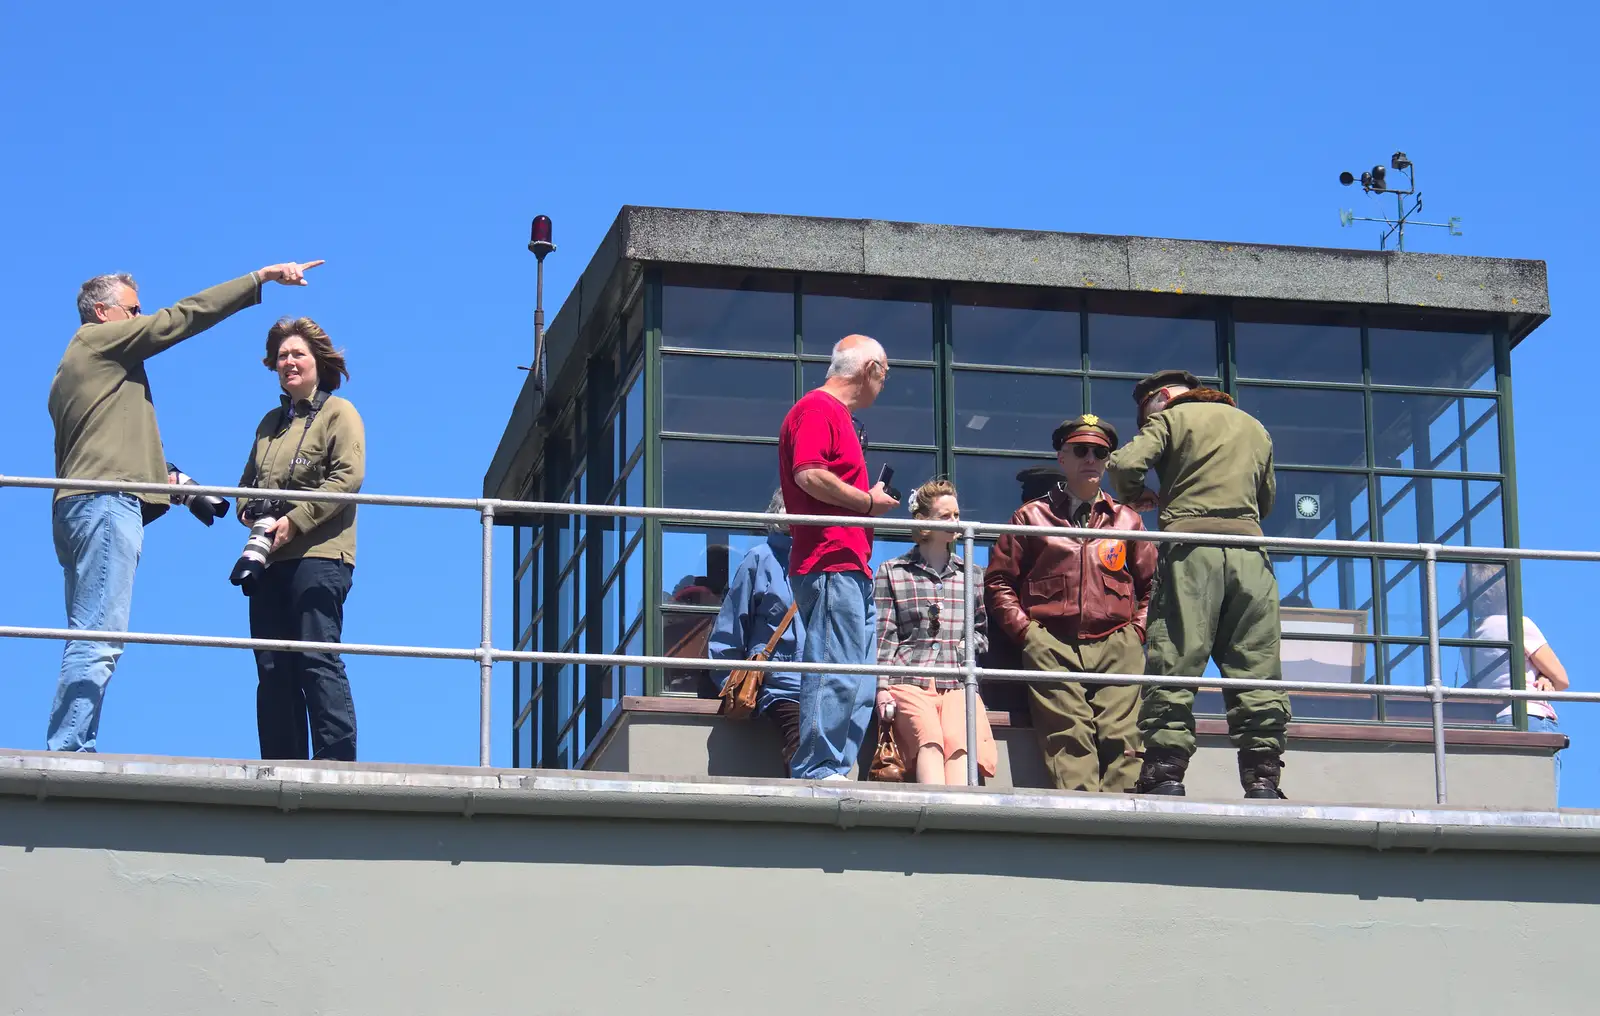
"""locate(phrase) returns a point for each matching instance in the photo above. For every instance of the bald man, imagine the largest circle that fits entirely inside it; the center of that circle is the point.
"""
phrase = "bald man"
(823, 470)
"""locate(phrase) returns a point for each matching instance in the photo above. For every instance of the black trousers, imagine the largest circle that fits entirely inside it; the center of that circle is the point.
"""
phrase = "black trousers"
(300, 692)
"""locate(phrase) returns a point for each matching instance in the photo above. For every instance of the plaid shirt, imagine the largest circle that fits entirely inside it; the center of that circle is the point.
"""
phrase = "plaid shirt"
(922, 616)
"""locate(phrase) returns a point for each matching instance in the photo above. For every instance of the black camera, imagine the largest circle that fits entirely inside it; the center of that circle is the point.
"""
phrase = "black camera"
(261, 513)
(205, 508)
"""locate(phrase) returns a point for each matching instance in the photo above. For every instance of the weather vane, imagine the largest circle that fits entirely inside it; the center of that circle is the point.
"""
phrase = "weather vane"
(1375, 181)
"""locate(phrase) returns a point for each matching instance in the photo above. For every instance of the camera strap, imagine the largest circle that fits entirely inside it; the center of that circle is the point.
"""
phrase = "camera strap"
(286, 417)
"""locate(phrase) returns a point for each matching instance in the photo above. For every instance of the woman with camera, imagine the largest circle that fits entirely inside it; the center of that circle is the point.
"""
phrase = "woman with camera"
(313, 440)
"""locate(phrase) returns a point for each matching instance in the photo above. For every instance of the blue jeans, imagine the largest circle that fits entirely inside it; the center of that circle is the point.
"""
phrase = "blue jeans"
(841, 626)
(98, 538)
(1541, 725)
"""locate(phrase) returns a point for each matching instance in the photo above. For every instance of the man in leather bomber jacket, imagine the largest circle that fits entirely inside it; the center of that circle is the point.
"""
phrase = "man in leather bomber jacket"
(1075, 604)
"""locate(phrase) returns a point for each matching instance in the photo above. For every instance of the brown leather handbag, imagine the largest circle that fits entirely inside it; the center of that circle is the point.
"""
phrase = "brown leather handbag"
(740, 690)
(887, 765)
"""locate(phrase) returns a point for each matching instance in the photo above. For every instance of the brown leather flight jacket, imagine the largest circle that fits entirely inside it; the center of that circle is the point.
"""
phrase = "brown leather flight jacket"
(1076, 589)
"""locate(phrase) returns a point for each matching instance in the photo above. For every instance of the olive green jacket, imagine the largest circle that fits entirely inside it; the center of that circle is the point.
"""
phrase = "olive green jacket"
(1214, 462)
(100, 402)
(324, 449)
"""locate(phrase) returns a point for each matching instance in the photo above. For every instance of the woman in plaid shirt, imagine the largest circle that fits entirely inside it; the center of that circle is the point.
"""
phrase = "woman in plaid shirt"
(922, 608)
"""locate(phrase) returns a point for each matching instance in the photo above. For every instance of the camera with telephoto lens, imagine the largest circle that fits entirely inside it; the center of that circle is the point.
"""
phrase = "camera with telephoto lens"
(203, 507)
(261, 513)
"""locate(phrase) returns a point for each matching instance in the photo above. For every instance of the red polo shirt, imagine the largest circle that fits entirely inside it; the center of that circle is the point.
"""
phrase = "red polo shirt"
(818, 434)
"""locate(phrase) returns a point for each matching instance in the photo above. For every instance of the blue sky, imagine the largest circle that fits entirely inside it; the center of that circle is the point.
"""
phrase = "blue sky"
(409, 145)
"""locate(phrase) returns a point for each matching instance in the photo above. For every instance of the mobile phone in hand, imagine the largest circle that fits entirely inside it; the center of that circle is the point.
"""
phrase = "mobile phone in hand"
(885, 476)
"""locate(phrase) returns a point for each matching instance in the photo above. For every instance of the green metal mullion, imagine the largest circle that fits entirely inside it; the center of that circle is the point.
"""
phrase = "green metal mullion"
(652, 476)
(685, 435)
(1001, 453)
(1513, 536)
(799, 338)
(1320, 386)
(1437, 474)
(944, 387)
(558, 467)
(893, 362)
(1002, 368)
(1226, 367)
(1462, 393)
(1084, 398)
(725, 354)
(601, 450)
(517, 572)
(1380, 599)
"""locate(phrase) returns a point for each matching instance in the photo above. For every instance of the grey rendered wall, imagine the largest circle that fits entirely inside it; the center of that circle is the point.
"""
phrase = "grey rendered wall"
(134, 909)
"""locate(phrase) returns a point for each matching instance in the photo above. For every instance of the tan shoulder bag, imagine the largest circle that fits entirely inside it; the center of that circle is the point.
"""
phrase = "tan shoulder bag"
(740, 690)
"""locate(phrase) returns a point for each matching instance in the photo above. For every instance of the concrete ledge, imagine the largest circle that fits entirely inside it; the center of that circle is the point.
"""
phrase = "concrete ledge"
(44, 776)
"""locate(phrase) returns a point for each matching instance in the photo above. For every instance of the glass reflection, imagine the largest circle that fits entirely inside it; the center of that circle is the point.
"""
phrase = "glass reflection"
(728, 319)
(1120, 342)
(1319, 506)
(1310, 427)
(1017, 337)
(903, 327)
(1434, 510)
(710, 395)
(1425, 359)
(1298, 352)
(1012, 411)
(718, 475)
(1436, 432)
(990, 487)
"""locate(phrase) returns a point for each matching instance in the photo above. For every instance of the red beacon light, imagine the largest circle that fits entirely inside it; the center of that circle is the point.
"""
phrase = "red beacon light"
(539, 241)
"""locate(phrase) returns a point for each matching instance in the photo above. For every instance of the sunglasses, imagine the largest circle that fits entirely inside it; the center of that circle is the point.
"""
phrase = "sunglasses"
(1083, 451)
(933, 618)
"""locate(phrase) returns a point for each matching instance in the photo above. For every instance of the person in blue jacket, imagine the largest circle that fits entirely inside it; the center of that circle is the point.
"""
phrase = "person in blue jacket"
(758, 597)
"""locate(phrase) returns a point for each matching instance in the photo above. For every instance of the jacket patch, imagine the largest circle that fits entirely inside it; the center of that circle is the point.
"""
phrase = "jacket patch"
(1113, 554)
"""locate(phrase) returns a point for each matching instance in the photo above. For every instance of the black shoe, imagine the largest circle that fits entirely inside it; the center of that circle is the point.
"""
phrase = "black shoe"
(1162, 774)
(1259, 772)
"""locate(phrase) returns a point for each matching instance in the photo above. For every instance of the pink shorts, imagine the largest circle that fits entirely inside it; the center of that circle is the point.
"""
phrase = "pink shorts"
(938, 718)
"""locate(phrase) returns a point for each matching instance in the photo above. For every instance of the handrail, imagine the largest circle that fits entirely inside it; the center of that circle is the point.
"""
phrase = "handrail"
(969, 673)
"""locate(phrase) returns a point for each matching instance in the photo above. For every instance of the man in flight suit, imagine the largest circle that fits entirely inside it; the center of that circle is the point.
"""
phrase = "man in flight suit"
(1214, 463)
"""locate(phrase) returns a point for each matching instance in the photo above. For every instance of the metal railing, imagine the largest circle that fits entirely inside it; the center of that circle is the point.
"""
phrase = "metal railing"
(487, 655)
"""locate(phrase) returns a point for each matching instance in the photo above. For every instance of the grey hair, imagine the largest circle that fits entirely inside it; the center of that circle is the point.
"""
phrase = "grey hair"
(853, 360)
(101, 289)
(776, 507)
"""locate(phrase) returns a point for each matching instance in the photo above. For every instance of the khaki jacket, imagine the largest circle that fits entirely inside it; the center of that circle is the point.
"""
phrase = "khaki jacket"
(312, 448)
(1214, 462)
(1075, 589)
(100, 401)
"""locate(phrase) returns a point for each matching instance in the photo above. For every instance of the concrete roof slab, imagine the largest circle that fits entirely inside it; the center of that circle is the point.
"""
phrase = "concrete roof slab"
(1468, 283)
(1255, 271)
(1005, 256)
(744, 240)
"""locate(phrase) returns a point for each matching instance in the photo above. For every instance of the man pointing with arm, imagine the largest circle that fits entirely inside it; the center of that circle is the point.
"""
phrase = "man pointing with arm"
(105, 427)
(1214, 462)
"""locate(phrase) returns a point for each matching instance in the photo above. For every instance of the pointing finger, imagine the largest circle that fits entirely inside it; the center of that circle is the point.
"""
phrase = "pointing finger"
(312, 264)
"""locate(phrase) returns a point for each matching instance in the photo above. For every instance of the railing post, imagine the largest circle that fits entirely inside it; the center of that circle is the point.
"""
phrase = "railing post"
(970, 641)
(486, 645)
(1430, 564)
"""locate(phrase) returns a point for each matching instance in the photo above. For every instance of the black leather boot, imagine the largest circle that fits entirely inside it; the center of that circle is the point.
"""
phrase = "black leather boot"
(1162, 773)
(1259, 771)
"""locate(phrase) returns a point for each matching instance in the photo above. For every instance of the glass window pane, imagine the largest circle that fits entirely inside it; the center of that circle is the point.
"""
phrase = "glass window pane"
(1427, 510)
(610, 613)
(902, 414)
(759, 319)
(633, 417)
(1012, 411)
(1467, 597)
(1408, 664)
(1327, 594)
(1432, 359)
(565, 599)
(1298, 352)
(1436, 432)
(1018, 336)
(1146, 344)
(989, 487)
(711, 395)
(633, 588)
(696, 563)
(716, 475)
(1310, 659)
(904, 327)
(1310, 427)
(525, 757)
(1111, 399)
(911, 470)
(1319, 506)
